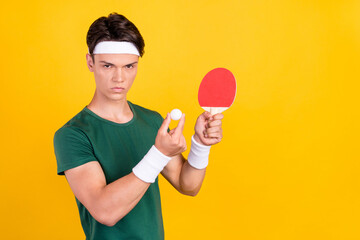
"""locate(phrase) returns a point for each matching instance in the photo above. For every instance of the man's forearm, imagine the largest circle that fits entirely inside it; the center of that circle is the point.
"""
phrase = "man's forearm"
(191, 179)
(119, 197)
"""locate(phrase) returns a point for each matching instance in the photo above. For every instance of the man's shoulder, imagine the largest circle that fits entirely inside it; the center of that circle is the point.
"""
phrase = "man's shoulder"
(76, 123)
(78, 118)
(147, 115)
(145, 111)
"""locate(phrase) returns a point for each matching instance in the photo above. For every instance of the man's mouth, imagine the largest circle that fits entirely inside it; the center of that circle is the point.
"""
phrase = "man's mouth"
(118, 89)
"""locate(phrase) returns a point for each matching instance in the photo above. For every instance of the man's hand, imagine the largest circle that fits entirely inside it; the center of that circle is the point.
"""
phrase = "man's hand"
(171, 143)
(208, 129)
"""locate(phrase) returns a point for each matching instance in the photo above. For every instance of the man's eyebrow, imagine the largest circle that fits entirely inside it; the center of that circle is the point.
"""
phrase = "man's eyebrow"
(131, 63)
(114, 64)
(107, 62)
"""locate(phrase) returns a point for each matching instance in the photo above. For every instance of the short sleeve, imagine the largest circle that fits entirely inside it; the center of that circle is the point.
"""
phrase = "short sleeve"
(72, 149)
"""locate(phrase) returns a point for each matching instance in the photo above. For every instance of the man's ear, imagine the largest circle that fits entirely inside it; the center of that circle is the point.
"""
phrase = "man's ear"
(89, 62)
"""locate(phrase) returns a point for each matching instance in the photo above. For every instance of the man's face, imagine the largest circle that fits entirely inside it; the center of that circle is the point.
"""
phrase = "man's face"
(114, 74)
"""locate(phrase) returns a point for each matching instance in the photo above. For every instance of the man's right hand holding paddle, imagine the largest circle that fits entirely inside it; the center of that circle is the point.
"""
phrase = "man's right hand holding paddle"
(208, 130)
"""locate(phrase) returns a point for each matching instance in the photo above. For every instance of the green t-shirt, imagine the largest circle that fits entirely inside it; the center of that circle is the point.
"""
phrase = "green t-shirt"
(118, 148)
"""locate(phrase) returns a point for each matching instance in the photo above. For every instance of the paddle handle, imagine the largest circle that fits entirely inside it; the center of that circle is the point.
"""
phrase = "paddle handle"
(215, 110)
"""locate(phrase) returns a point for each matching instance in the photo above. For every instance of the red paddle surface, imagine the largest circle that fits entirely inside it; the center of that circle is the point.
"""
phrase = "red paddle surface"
(217, 89)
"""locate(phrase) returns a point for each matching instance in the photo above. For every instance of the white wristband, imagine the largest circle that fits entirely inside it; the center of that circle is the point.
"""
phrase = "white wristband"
(199, 155)
(151, 165)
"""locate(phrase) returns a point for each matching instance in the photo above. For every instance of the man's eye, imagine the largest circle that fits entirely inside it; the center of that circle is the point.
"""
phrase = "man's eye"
(107, 66)
(129, 66)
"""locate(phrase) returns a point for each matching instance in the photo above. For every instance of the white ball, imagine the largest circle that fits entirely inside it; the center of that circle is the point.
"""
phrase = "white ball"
(175, 114)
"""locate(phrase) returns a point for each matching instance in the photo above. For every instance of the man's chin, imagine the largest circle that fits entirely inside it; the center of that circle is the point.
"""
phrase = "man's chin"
(118, 97)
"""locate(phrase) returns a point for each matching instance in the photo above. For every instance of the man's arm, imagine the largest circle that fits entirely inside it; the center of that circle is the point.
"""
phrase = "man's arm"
(178, 172)
(108, 203)
(183, 177)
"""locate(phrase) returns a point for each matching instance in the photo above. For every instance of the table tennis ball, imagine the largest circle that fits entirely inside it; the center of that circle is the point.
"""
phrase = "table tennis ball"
(175, 114)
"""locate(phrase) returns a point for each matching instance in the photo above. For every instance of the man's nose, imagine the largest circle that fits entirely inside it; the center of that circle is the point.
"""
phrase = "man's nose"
(118, 75)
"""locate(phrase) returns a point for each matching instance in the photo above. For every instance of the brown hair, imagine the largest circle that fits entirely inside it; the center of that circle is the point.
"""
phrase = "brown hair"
(115, 27)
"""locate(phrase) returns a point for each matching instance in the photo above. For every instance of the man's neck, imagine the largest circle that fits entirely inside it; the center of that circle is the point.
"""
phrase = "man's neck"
(116, 111)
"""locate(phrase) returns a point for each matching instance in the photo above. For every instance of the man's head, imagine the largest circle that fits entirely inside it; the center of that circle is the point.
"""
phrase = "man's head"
(115, 27)
(115, 45)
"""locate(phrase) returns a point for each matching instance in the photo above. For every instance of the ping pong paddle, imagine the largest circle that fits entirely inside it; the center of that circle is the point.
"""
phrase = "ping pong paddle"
(217, 90)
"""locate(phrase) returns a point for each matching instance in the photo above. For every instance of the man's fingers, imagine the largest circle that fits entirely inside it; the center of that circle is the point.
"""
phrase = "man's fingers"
(165, 125)
(218, 116)
(213, 130)
(214, 123)
(180, 127)
(206, 115)
(214, 135)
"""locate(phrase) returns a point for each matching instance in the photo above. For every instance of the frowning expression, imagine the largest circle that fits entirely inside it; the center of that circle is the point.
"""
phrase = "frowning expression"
(114, 74)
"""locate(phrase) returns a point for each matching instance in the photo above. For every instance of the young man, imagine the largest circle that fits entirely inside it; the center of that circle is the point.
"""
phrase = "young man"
(112, 151)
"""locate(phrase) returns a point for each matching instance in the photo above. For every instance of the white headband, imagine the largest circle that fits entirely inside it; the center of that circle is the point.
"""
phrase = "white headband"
(115, 47)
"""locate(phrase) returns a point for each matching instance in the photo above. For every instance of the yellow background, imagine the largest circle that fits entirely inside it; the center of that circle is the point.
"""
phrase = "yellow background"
(288, 166)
